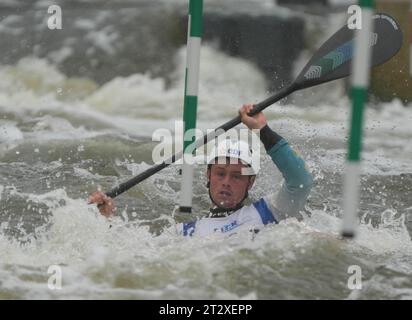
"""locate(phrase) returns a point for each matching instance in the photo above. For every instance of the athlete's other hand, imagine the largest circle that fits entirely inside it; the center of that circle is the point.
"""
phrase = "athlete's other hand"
(104, 203)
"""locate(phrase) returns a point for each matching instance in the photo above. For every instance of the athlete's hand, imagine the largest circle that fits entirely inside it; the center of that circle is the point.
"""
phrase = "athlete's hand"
(104, 203)
(258, 121)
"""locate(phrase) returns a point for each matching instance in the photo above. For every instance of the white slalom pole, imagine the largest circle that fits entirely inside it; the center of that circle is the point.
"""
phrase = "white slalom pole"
(360, 84)
(194, 38)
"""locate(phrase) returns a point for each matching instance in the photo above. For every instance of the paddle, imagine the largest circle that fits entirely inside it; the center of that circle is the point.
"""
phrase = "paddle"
(332, 61)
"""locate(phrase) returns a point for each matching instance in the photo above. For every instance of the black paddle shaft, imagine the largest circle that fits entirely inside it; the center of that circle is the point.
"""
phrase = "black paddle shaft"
(204, 140)
(332, 61)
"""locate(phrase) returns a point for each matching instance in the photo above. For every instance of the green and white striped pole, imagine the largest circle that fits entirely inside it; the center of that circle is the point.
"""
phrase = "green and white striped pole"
(360, 84)
(194, 39)
(410, 39)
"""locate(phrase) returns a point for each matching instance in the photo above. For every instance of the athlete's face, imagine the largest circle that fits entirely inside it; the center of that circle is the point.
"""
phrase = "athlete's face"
(227, 184)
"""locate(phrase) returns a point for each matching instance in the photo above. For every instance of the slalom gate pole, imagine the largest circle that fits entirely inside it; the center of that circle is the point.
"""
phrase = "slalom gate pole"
(194, 38)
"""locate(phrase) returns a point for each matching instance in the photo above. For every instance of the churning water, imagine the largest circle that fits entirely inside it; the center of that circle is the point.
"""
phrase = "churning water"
(62, 138)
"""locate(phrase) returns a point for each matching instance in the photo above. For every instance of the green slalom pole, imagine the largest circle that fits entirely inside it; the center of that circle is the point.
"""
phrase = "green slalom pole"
(359, 92)
(194, 39)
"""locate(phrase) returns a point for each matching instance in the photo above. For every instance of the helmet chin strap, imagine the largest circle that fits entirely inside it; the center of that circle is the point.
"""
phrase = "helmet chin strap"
(219, 210)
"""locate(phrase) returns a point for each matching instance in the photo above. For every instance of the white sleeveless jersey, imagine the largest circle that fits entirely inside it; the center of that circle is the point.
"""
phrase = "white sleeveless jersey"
(253, 217)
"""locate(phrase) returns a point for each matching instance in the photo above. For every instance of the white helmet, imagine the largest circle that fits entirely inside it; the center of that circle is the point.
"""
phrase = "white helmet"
(237, 149)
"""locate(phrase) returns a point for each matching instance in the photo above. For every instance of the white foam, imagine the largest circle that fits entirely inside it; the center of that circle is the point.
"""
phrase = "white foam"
(104, 39)
(94, 257)
(9, 132)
